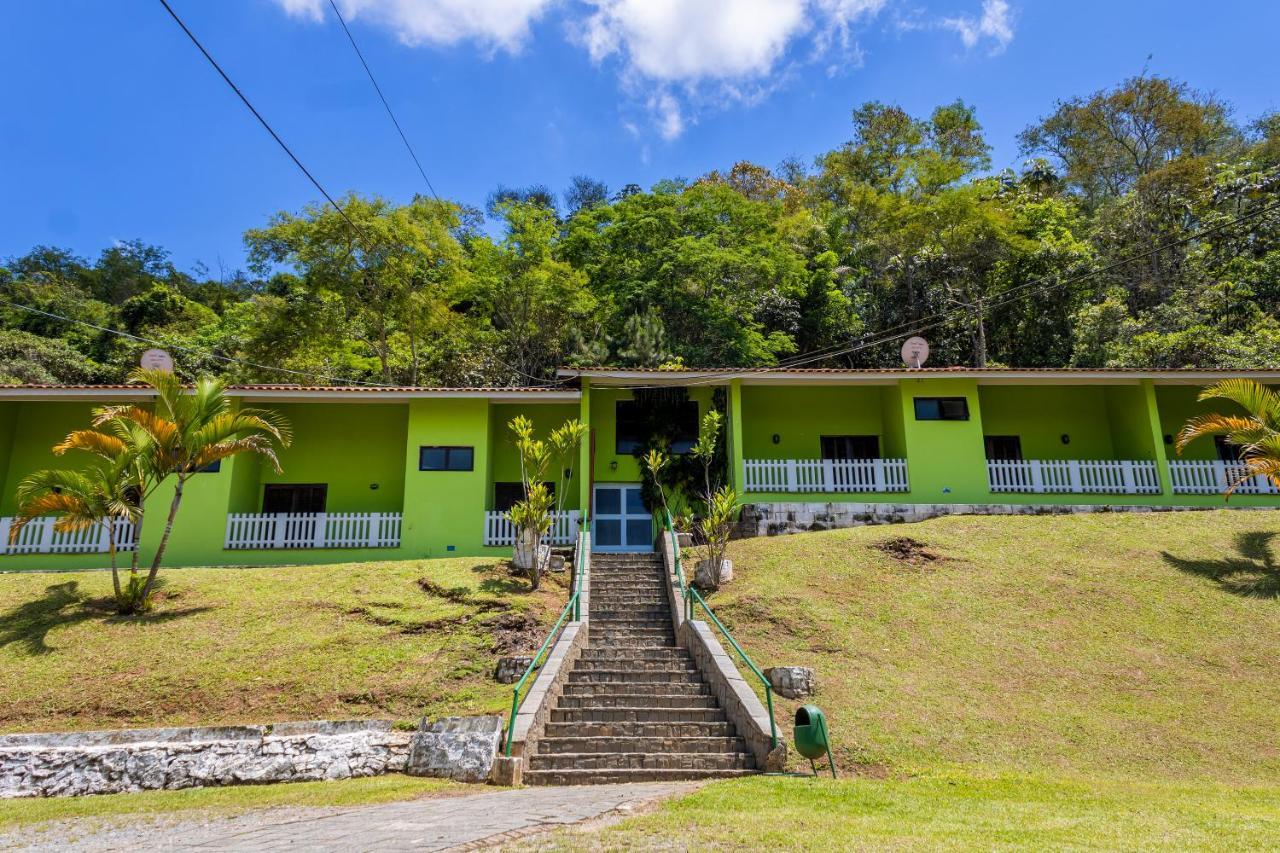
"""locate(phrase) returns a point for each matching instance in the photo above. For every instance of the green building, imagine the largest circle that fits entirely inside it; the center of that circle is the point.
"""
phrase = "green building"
(377, 473)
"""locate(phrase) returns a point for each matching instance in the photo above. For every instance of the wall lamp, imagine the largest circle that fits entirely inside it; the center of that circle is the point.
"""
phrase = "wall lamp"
(1066, 439)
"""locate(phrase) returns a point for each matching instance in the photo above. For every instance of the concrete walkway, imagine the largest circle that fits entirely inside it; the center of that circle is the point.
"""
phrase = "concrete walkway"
(430, 824)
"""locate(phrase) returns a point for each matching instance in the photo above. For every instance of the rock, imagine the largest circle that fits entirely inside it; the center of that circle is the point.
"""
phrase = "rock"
(508, 771)
(555, 563)
(151, 759)
(685, 540)
(793, 682)
(509, 670)
(460, 748)
(702, 578)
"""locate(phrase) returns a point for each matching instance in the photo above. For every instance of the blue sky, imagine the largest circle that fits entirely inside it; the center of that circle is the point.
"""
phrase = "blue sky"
(114, 127)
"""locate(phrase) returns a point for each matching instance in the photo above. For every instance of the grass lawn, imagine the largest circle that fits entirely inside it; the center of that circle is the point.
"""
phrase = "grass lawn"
(945, 811)
(265, 645)
(1134, 646)
(225, 802)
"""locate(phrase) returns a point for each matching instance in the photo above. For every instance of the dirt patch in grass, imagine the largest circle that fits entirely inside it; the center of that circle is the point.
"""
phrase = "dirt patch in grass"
(910, 551)
(516, 632)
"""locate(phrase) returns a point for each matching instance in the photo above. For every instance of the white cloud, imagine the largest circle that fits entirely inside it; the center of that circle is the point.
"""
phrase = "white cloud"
(995, 24)
(493, 24)
(674, 58)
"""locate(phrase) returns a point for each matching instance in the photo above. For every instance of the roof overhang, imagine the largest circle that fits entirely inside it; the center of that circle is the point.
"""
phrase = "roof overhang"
(606, 377)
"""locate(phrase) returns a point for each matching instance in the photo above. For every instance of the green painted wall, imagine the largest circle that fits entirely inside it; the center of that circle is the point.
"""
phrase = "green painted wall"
(8, 429)
(1130, 422)
(36, 427)
(1040, 415)
(445, 508)
(800, 416)
(945, 459)
(505, 458)
(348, 447)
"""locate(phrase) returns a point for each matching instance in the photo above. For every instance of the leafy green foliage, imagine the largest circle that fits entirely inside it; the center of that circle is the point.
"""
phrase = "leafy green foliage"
(1115, 245)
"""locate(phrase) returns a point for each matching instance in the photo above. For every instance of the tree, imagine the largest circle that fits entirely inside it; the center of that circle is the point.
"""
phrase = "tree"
(584, 193)
(531, 298)
(1256, 432)
(1110, 140)
(185, 432)
(103, 494)
(719, 503)
(387, 272)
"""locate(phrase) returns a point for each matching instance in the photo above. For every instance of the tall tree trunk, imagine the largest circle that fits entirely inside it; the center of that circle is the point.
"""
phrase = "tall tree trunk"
(111, 548)
(164, 540)
(980, 338)
(137, 541)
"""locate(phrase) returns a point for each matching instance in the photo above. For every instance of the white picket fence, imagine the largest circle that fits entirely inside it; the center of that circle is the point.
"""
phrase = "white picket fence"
(498, 529)
(1074, 476)
(38, 537)
(1214, 477)
(826, 475)
(313, 530)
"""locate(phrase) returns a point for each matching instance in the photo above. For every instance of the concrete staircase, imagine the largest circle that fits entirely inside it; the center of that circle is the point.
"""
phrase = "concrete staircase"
(635, 708)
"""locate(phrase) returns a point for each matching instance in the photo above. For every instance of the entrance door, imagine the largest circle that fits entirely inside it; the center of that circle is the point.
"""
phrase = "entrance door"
(620, 522)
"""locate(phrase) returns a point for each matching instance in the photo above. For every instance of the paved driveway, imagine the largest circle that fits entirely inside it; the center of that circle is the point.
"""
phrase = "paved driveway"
(429, 824)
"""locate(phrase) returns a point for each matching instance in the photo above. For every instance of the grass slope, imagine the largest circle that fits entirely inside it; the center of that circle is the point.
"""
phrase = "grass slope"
(1065, 682)
(1110, 644)
(264, 645)
(944, 812)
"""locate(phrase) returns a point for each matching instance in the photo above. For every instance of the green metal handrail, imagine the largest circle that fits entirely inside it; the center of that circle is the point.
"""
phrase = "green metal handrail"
(572, 606)
(695, 599)
(692, 599)
(675, 551)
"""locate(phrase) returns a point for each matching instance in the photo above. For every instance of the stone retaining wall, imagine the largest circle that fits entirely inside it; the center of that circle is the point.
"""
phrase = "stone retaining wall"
(110, 762)
(777, 519)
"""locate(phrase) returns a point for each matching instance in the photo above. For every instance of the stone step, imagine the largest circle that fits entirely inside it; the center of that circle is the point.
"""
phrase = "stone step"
(597, 653)
(640, 761)
(663, 705)
(639, 730)
(638, 714)
(631, 676)
(624, 622)
(638, 695)
(675, 666)
(657, 641)
(588, 744)
(606, 777)
(604, 600)
(654, 611)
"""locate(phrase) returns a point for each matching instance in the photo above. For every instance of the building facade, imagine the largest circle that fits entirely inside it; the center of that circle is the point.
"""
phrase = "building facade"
(404, 473)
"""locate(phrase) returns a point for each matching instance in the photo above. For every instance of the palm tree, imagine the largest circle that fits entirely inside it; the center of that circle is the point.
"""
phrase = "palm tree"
(1256, 432)
(186, 431)
(103, 494)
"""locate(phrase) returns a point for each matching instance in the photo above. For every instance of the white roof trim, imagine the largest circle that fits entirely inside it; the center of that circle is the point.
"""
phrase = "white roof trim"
(285, 395)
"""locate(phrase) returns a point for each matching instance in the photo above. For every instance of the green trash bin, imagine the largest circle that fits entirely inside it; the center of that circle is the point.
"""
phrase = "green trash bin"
(811, 737)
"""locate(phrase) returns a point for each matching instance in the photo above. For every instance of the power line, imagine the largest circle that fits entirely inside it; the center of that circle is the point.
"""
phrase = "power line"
(259, 117)
(390, 114)
(194, 352)
(912, 327)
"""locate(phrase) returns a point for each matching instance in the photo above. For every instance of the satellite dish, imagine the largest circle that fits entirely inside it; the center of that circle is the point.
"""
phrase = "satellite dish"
(915, 352)
(156, 359)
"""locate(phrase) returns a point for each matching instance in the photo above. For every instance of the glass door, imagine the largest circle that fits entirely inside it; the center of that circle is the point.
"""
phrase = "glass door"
(620, 522)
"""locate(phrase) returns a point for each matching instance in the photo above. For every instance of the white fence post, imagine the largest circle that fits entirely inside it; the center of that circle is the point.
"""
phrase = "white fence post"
(318, 537)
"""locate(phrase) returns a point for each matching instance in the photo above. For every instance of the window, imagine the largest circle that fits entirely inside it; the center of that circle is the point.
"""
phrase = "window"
(507, 495)
(294, 497)
(942, 409)
(446, 458)
(1227, 452)
(630, 421)
(850, 447)
(1006, 448)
